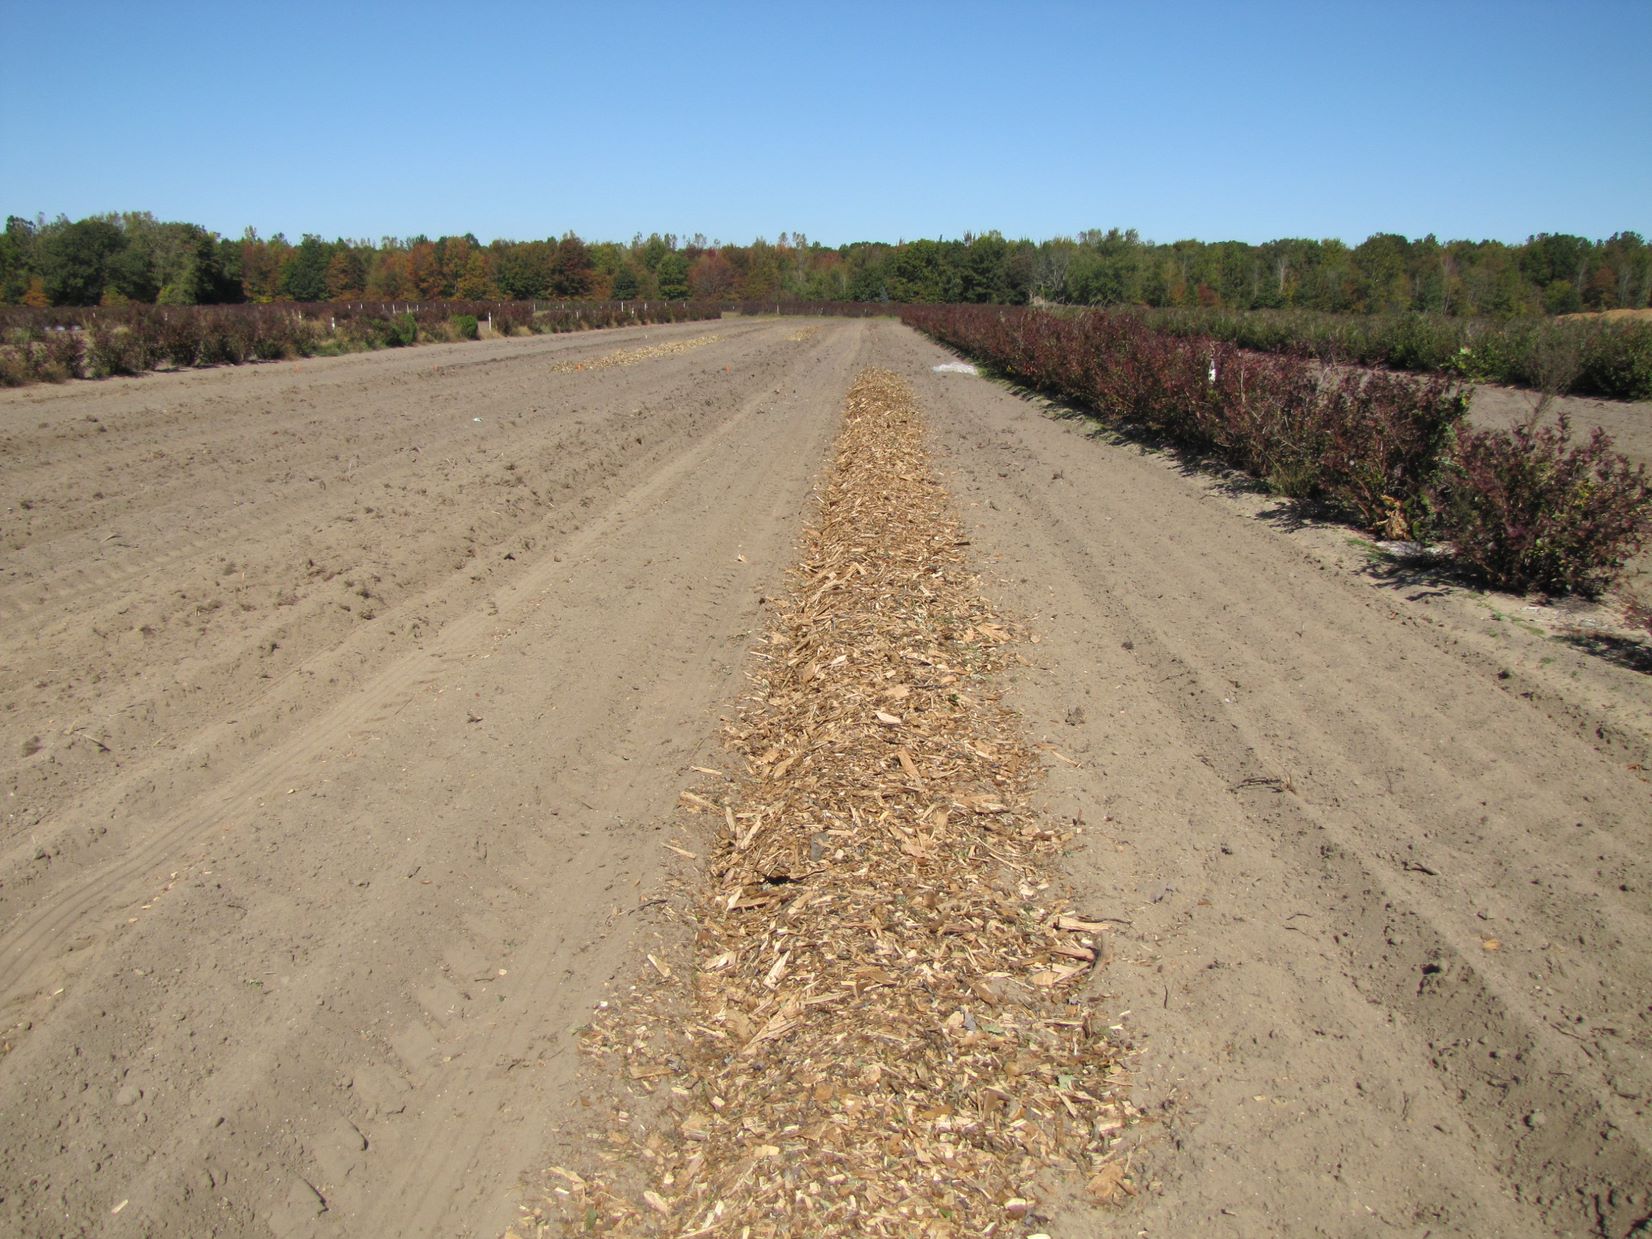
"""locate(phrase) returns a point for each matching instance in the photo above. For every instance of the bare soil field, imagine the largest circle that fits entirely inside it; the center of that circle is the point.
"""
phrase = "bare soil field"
(1628, 422)
(344, 706)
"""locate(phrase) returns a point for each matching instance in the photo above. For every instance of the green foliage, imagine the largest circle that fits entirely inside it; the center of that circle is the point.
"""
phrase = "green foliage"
(304, 274)
(466, 327)
(75, 260)
(1590, 357)
(403, 331)
(672, 273)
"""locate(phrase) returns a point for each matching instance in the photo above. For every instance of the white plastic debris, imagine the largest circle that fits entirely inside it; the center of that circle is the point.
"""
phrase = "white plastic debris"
(955, 367)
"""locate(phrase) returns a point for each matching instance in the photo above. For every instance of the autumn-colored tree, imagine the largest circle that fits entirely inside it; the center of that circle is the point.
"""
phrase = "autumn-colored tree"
(261, 265)
(346, 276)
(1601, 292)
(476, 284)
(712, 277)
(36, 293)
(759, 271)
(389, 280)
(424, 271)
(572, 273)
(454, 254)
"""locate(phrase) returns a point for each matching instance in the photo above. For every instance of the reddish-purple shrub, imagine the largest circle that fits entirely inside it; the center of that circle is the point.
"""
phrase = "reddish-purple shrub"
(178, 334)
(1523, 509)
(1380, 443)
(1362, 445)
(60, 354)
(1528, 509)
(120, 344)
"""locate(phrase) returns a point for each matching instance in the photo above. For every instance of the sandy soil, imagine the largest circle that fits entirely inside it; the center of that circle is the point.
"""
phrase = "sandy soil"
(340, 701)
(345, 705)
(1378, 847)
(1628, 422)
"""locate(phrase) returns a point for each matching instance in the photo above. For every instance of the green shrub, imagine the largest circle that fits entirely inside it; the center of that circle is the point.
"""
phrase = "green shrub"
(466, 327)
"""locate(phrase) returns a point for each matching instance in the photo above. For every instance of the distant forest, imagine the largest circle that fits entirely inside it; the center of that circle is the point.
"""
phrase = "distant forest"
(133, 257)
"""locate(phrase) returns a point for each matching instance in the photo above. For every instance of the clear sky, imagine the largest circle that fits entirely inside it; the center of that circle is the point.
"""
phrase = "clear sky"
(1245, 120)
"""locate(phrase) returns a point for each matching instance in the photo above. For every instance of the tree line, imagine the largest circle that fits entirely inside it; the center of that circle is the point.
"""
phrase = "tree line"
(132, 257)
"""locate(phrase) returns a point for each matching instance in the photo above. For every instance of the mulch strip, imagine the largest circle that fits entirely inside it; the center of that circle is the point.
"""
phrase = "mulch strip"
(631, 356)
(884, 1028)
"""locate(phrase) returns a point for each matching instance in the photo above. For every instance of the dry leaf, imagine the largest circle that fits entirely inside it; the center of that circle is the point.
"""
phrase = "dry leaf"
(1106, 1185)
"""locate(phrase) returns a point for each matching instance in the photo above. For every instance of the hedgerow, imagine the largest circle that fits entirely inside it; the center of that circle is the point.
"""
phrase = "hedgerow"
(54, 345)
(1596, 357)
(1388, 451)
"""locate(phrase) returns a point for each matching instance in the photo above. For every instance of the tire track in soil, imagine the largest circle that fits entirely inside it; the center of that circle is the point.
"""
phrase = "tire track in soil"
(288, 405)
(243, 665)
(1384, 911)
(395, 1076)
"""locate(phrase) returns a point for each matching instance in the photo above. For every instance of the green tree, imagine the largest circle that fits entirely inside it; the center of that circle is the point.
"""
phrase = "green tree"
(1382, 281)
(523, 269)
(304, 274)
(1561, 297)
(1550, 258)
(1631, 261)
(672, 273)
(228, 272)
(917, 272)
(16, 259)
(76, 260)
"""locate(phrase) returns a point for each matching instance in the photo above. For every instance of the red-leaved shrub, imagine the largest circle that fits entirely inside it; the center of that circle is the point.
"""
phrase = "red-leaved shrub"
(1528, 509)
(1524, 509)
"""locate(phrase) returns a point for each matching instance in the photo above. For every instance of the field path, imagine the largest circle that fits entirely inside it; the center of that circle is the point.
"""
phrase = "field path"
(344, 705)
(1380, 852)
(293, 937)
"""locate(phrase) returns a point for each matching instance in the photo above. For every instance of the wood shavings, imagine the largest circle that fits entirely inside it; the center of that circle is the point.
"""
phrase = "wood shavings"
(888, 1035)
(631, 356)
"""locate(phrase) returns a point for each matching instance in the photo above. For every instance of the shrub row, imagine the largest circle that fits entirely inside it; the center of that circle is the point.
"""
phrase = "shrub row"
(1524, 510)
(1596, 357)
(55, 345)
(818, 309)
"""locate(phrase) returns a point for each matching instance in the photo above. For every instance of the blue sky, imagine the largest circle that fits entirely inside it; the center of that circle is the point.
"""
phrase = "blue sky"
(845, 121)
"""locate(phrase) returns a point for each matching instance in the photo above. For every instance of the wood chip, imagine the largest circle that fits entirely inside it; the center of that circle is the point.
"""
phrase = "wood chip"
(878, 1039)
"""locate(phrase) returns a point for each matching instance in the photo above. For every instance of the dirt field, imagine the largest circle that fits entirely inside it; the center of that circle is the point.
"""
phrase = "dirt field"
(346, 704)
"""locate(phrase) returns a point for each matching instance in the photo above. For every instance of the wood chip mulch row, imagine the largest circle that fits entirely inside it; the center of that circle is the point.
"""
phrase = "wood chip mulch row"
(631, 356)
(888, 1031)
